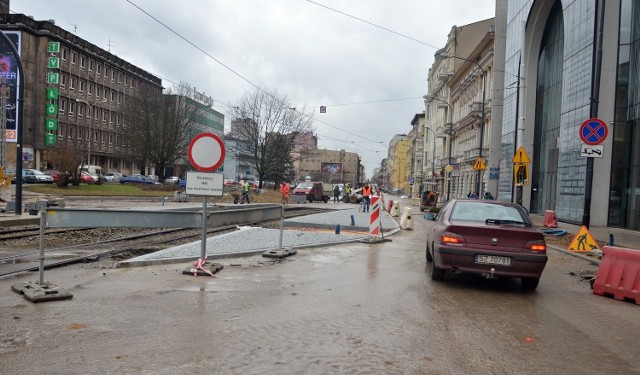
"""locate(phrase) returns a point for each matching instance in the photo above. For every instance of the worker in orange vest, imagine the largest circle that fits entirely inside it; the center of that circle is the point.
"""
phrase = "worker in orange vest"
(366, 197)
(284, 192)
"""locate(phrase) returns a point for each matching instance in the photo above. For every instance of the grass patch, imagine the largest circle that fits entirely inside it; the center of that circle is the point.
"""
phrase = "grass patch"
(104, 190)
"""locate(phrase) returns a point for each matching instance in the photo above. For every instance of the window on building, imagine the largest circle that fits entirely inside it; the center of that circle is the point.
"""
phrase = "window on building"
(98, 70)
(82, 62)
(74, 58)
(91, 64)
(98, 91)
(80, 111)
(63, 54)
(119, 98)
(111, 137)
(62, 104)
(61, 129)
(126, 80)
(72, 108)
(82, 86)
(70, 133)
(104, 116)
(113, 75)
(113, 96)
(90, 90)
(110, 117)
(106, 72)
(72, 83)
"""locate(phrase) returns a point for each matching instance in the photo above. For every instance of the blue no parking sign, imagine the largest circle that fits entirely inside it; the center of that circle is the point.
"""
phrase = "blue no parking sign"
(593, 131)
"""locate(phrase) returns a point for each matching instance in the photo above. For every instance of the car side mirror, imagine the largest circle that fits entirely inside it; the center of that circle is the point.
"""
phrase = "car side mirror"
(430, 216)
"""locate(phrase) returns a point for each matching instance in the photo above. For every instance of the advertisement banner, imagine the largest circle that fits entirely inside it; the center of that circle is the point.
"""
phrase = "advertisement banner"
(332, 168)
(9, 74)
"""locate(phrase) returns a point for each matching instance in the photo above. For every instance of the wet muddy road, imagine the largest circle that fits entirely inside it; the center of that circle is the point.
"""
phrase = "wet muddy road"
(348, 309)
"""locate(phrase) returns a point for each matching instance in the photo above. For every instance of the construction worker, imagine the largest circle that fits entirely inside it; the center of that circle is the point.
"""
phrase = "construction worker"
(245, 192)
(284, 192)
(366, 197)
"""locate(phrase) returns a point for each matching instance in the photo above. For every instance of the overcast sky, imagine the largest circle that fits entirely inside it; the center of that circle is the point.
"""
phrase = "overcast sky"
(371, 80)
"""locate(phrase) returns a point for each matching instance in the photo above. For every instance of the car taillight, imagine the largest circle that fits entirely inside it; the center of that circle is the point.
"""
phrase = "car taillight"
(538, 246)
(452, 239)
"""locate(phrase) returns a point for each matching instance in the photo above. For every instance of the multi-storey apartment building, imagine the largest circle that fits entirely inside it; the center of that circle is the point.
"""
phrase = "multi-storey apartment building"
(457, 84)
(92, 89)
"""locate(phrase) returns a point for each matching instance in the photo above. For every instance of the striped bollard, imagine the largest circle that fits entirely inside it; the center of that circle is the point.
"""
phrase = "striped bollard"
(374, 219)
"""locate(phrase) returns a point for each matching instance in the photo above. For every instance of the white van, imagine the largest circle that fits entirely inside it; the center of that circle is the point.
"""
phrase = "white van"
(94, 170)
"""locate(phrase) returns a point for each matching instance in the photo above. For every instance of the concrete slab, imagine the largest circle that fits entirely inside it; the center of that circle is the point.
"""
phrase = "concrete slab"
(35, 292)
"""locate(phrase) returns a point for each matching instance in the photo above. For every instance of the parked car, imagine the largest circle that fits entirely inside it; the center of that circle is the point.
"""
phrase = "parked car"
(137, 179)
(86, 177)
(34, 176)
(172, 180)
(489, 238)
(229, 182)
(112, 176)
(53, 173)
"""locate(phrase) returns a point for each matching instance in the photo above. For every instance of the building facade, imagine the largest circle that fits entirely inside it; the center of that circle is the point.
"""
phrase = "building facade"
(458, 82)
(334, 166)
(92, 88)
(572, 60)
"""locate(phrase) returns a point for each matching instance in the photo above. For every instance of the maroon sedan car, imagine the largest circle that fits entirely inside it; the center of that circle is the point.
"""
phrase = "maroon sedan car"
(489, 238)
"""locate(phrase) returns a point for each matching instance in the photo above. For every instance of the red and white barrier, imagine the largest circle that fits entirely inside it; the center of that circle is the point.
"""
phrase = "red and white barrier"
(619, 274)
(550, 220)
(374, 218)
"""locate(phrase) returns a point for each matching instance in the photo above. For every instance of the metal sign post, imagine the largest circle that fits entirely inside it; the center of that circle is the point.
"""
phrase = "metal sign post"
(206, 154)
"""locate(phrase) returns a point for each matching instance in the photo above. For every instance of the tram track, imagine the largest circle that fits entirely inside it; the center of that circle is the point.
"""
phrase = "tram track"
(104, 246)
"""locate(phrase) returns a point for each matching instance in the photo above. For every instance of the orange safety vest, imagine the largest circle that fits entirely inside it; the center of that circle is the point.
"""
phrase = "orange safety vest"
(366, 191)
(284, 188)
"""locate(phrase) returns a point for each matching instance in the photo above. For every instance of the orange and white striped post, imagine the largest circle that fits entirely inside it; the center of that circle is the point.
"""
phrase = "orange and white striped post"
(374, 218)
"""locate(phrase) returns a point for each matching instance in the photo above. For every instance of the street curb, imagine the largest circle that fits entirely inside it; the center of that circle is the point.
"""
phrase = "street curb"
(155, 262)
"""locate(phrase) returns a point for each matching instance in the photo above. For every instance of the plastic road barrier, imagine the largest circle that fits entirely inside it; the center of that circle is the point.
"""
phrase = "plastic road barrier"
(619, 274)
(395, 210)
(550, 220)
(405, 221)
(390, 206)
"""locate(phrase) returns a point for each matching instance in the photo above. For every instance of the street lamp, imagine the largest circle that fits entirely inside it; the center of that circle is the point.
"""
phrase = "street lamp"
(449, 132)
(446, 55)
(90, 105)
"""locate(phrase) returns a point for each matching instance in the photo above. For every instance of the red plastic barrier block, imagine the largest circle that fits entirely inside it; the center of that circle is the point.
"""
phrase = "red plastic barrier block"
(550, 220)
(619, 274)
(390, 206)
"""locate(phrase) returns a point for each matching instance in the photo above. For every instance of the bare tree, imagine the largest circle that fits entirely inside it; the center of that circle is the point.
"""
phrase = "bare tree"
(267, 126)
(66, 160)
(161, 126)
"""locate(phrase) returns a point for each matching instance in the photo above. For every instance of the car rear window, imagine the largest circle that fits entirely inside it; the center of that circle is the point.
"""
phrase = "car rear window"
(481, 212)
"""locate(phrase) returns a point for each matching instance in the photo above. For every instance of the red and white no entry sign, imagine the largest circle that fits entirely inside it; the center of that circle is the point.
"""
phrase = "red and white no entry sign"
(206, 152)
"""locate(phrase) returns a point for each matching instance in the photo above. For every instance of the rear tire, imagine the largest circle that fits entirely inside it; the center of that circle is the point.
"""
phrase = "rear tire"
(436, 273)
(529, 283)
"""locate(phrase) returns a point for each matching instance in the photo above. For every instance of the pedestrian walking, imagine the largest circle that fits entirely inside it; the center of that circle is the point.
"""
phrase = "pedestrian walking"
(336, 194)
(245, 192)
(284, 192)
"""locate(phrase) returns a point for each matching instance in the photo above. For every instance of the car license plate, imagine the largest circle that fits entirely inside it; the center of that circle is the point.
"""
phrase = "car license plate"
(492, 259)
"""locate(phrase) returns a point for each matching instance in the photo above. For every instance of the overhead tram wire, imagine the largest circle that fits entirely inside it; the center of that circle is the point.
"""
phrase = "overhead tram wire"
(388, 30)
(249, 81)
